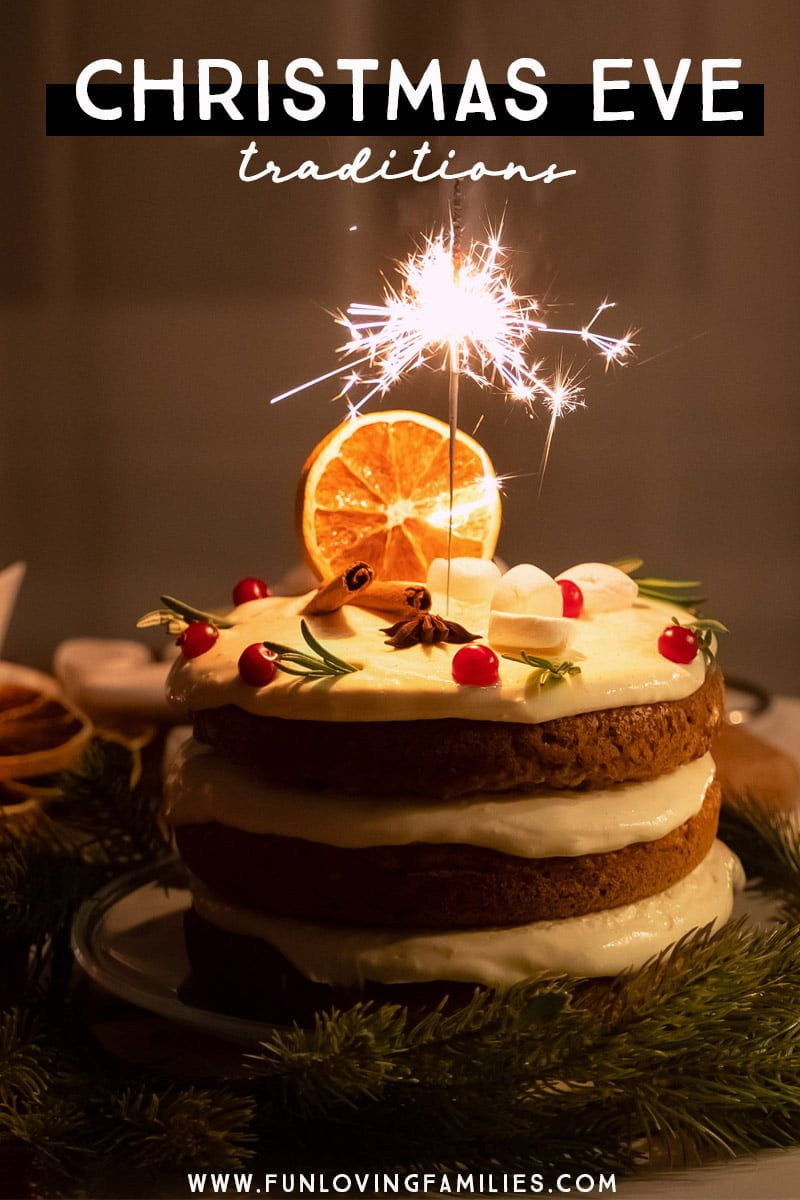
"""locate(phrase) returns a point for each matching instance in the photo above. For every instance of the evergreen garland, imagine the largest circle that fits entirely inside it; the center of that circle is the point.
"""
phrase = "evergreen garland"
(693, 1057)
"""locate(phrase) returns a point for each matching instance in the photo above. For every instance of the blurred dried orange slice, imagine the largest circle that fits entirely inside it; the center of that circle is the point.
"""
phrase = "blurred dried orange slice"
(377, 489)
(40, 733)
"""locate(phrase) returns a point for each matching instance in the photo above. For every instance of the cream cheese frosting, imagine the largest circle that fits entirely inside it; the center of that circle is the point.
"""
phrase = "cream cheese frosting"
(617, 653)
(202, 786)
(601, 943)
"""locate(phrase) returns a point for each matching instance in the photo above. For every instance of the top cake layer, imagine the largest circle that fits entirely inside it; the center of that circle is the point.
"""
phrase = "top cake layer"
(617, 653)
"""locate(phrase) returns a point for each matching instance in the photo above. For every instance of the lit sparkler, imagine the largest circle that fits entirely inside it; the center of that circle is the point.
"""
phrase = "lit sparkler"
(457, 311)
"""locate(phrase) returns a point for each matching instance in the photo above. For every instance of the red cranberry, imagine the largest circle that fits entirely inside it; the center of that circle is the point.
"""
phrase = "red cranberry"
(571, 598)
(197, 638)
(477, 666)
(678, 644)
(250, 589)
(258, 665)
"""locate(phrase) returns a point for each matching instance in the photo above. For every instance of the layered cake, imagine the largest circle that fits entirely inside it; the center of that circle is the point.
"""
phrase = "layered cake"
(404, 786)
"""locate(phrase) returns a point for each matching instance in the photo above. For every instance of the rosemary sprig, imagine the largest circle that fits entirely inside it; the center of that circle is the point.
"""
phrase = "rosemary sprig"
(176, 615)
(672, 591)
(682, 592)
(546, 672)
(319, 665)
(704, 629)
(628, 565)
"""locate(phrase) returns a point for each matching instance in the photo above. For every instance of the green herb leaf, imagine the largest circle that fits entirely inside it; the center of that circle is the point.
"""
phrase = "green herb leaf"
(162, 616)
(704, 629)
(547, 672)
(687, 601)
(317, 666)
(279, 648)
(189, 613)
(710, 623)
(628, 565)
(675, 591)
(669, 591)
(176, 615)
(671, 584)
(325, 654)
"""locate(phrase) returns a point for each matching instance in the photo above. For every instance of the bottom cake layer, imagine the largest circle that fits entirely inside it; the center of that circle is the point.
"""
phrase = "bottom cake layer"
(278, 967)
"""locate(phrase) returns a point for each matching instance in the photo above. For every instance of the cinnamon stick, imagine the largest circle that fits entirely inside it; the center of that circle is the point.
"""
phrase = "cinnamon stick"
(342, 589)
(394, 598)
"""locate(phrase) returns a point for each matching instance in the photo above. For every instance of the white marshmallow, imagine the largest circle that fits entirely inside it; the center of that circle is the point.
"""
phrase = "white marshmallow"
(605, 588)
(526, 631)
(528, 589)
(472, 580)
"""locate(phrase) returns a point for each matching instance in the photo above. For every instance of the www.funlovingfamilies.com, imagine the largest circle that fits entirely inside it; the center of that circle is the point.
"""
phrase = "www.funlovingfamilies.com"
(344, 1183)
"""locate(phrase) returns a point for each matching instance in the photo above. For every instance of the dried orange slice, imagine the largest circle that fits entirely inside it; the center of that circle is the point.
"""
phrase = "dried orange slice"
(40, 732)
(377, 489)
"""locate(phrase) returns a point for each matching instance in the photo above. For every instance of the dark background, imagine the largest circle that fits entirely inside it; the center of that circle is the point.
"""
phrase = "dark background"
(152, 304)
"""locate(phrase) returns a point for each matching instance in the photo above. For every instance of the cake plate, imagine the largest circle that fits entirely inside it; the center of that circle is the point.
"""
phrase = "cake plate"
(128, 938)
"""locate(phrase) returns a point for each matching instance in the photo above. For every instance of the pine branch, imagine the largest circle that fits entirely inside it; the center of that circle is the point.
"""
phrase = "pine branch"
(694, 1056)
(356, 1054)
(56, 1130)
(32, 888)
(26, 1065)
(120, 821)
(676, 1051)
(39, 891)
(768, 843)
(346, 1057)
(179, 1127)
(690, 1058)
(46, 871)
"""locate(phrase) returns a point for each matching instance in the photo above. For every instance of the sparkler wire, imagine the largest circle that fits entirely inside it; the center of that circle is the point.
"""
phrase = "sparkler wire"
(456, 349)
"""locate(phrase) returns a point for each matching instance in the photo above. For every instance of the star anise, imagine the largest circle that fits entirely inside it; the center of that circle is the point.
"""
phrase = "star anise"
(427, 629)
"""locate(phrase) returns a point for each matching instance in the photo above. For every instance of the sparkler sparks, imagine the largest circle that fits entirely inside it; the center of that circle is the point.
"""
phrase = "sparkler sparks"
(458, 309)
(462, 315)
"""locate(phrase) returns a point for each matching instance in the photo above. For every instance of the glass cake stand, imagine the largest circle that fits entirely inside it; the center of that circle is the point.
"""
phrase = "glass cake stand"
(128, 938)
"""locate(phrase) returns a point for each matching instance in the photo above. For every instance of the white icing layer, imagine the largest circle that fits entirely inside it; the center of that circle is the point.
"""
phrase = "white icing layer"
(603, 943)
(616, 651)
(202, 786)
